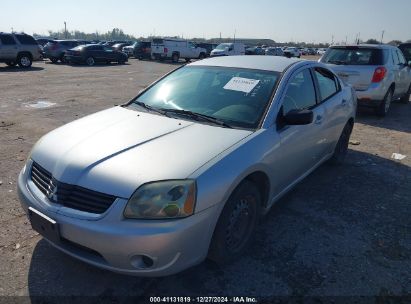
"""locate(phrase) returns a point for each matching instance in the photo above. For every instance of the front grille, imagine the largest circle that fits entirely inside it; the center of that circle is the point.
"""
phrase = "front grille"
(70, 196)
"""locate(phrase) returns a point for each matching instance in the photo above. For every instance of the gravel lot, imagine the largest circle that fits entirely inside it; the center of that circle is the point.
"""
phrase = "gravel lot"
(343, 231)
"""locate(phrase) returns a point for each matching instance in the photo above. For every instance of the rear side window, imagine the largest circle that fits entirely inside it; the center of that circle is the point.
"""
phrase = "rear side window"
(354, 56)
(26, 39)
(158, 41)
(300, 93)
(327, 83)
(7, 39)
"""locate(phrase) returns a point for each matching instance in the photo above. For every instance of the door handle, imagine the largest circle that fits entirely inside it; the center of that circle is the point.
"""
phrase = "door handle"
(344, 102)
(318, 119)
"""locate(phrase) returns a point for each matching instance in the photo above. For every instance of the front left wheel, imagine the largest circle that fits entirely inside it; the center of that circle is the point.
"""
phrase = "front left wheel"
(236, 224)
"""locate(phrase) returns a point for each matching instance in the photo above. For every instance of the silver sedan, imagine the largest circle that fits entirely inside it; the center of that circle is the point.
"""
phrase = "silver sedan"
(184, 170)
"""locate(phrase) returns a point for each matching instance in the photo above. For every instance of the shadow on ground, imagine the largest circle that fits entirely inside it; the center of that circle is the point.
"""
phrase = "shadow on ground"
(342, 231)
(396, 119)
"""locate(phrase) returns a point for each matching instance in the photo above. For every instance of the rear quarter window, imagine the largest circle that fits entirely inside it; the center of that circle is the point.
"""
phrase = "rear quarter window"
(25, 39)
(7, 39)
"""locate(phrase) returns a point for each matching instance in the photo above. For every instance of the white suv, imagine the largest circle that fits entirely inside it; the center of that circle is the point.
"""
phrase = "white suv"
(174, 49)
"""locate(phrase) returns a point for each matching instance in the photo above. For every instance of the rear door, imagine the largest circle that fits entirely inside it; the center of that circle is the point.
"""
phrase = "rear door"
(9, 47)
(404, 70)
(336, 108)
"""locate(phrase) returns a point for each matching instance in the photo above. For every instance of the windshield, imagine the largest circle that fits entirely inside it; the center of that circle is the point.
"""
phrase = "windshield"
(223, 46)
(237, 97)
(354, 56)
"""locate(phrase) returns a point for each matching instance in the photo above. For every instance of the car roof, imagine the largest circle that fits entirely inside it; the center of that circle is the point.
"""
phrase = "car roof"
(266, 63)
(372, 46)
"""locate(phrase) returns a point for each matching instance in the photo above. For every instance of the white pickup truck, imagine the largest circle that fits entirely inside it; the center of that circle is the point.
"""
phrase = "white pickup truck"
(174, 49)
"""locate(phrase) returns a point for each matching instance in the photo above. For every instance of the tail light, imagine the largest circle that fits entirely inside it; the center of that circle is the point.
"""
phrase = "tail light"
(379, 74)
(165, 50)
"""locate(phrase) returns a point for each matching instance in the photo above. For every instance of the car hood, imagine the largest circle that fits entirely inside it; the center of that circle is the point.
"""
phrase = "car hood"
(117, 150)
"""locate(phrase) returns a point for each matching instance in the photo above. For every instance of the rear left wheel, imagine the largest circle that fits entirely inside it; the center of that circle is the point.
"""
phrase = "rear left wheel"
(385, 104)
(341, 148)
(90, 61)
(24, 61)
(236, 224)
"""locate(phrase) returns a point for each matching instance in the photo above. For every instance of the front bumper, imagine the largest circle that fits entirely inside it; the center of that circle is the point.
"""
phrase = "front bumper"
(117, 244)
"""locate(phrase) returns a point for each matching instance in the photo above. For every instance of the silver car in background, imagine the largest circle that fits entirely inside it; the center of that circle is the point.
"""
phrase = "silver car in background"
(378, 73)
(185, 169)
(274, 51)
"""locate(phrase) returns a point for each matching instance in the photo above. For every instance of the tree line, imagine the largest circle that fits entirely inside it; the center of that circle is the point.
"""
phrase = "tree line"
(118, 34)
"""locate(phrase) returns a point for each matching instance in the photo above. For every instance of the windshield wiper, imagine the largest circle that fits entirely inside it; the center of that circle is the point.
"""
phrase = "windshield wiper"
(150, 108)
(197, 116)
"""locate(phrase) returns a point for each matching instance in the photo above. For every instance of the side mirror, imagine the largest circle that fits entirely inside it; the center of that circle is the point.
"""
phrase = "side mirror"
(299, 117)
(409, 63)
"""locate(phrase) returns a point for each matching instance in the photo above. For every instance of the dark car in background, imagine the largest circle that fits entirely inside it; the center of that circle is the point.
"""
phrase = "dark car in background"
(142, 50)
(43, 41)
(119, 46)
(207, 46)
(94, 53)
(254, 50)
(56, 49)
(406, 50)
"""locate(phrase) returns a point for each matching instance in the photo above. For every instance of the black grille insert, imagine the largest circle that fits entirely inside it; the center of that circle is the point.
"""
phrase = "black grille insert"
(70, 196)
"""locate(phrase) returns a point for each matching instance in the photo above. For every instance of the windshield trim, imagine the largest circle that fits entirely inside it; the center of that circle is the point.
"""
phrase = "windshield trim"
(262, 118)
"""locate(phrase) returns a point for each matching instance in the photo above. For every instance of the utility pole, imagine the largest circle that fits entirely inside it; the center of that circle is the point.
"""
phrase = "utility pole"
(332, 39)
(12, 30)
(382, 35)
(65, 29)
(220, 36)
(235, 32)
(346, 38)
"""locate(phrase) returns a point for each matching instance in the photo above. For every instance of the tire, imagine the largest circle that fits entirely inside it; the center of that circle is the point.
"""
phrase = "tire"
(175, 58)
(236, 224)
(406, 97)
(384, 106)
(11, 63)
(54, 59)
(62, 59)
(24, 61)
(90, 61)
(202, 56)
(341, 148)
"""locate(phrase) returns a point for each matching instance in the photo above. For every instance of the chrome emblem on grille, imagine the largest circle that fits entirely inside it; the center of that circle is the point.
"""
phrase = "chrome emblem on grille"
(52, 191)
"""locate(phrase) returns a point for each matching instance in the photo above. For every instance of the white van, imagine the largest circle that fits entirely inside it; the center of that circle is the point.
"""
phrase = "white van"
(174, 49)
(229, 49)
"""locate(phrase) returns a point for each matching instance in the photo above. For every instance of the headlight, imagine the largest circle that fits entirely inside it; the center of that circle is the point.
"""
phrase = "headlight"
(165, 199)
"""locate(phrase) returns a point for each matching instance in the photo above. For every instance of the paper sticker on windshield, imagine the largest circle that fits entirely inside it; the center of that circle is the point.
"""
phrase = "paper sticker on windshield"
(241, 84)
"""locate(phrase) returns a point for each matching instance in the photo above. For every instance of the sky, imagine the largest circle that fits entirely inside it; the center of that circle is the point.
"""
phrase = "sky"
(281, 20)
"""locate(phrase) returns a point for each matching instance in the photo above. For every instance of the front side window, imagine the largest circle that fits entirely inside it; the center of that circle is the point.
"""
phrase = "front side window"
(327, 83)
(236, 96)
(7, 39)
(300, 93)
